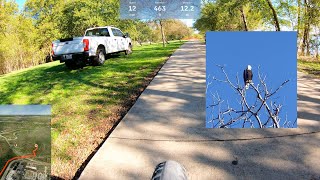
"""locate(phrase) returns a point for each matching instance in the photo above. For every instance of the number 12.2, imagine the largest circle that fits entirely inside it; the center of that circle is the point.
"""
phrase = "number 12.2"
(187, 8)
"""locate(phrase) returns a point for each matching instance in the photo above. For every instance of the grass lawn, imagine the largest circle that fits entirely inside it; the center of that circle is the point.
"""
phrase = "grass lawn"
(86, 103)
(309, 67)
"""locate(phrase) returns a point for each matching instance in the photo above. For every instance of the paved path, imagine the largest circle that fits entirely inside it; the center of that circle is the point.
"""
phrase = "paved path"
(168, 122)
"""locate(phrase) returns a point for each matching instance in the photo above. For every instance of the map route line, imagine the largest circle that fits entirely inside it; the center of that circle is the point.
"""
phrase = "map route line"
(20, 157)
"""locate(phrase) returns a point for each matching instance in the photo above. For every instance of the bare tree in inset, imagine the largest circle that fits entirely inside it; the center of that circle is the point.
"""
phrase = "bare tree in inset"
(262, 111)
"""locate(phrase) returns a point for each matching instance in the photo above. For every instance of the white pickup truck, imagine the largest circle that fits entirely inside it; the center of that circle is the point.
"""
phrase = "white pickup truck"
(92, 48)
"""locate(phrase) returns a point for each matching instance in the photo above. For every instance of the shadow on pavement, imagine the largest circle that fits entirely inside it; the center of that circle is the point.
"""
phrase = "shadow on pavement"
(168, 122)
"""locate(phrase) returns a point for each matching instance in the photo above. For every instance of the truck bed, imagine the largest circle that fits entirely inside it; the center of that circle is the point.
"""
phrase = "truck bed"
(68, 46)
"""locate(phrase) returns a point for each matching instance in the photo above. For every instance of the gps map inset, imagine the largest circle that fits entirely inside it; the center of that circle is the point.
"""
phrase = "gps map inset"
(25, 142)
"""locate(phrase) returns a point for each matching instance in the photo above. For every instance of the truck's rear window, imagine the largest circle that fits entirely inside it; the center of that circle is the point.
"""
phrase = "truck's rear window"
(98, 32)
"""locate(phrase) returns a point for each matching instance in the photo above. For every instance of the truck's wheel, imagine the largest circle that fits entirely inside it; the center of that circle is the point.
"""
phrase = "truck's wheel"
(70, 65)
(129, 50)
(100, 57)
(169, 170)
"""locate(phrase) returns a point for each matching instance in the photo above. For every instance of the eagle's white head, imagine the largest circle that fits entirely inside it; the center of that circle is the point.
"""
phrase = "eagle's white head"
(249, 67)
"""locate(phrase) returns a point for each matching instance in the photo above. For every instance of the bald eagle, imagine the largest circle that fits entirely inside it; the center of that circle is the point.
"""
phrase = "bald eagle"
(247, 76)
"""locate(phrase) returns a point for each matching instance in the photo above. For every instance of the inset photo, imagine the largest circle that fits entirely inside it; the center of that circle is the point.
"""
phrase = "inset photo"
(251, 80)
(25, 142)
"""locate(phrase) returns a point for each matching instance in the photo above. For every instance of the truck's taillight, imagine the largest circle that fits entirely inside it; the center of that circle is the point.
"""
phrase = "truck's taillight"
(86, 44)
(52, 52)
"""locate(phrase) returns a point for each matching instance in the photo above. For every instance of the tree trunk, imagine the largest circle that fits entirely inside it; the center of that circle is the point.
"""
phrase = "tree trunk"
(317, 52)
(299, 17)
(274, 14)
(299, 25)
(162, 34)
(304, 40)
(244, 20)
(305, 46)
(317, 37)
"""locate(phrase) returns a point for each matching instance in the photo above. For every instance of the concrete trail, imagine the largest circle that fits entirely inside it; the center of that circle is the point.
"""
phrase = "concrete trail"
(168, 122)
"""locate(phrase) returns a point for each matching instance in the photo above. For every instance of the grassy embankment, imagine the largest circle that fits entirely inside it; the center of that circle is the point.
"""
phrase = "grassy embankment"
(310, 67)
(86, 103)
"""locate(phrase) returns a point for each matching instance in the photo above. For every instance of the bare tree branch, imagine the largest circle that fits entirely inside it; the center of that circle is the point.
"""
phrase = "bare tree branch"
(225, 115)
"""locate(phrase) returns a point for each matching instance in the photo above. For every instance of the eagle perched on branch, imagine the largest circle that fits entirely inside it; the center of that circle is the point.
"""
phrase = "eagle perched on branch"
(247, 76)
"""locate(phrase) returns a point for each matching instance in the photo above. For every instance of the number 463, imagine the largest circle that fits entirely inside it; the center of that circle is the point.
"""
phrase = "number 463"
(160, 8)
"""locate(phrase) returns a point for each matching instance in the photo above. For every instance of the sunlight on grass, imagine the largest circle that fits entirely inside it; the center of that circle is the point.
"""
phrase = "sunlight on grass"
(309, 67)
(84, 102)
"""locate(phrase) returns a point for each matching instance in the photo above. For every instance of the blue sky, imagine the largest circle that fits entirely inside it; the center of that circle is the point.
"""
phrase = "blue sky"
(274, 52)
(20, 3)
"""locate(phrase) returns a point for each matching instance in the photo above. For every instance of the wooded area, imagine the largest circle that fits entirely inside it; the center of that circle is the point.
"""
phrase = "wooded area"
(302, 16)
(26, 34)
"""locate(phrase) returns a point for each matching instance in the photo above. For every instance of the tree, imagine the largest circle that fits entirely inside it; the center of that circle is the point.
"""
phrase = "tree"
(288, 9)
(242, 15)
(274, 15)
(79, 15)
(129, 26)
(209, 18)
(262, 111)
(176, 29)
(216, 17)
(19, 47)
(144, 33)
(237, 9)
(162, 33)
(306, 29)
(229, 15)
(310, 17)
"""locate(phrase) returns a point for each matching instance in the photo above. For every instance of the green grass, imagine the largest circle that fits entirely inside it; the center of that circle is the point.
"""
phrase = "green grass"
(309, 67)
(85, 102)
